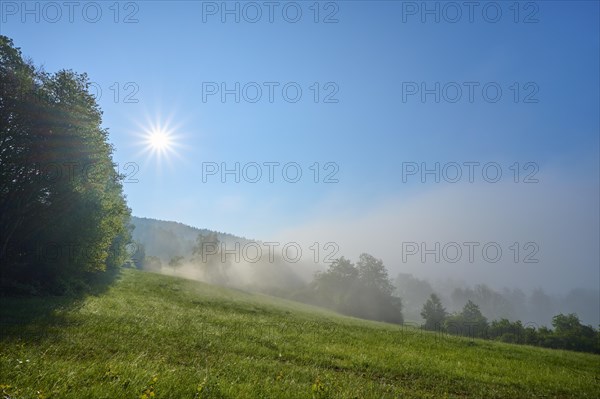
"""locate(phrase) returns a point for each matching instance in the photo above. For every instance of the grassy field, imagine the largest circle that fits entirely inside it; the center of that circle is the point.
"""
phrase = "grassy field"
(149, 336)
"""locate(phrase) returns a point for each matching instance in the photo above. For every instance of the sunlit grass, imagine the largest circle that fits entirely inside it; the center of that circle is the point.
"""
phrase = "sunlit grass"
(163, 337)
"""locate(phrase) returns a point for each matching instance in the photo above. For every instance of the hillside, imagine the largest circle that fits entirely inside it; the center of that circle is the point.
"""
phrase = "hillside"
(157, 336)
(165, 239)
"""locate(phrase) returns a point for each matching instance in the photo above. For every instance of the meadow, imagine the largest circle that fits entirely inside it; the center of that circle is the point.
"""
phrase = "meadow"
(153, 336)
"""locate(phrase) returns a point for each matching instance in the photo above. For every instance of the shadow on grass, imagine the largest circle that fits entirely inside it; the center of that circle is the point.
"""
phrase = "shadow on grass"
(33, 318)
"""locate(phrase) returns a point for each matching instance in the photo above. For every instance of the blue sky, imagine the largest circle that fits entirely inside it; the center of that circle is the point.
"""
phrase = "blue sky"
(374, 51)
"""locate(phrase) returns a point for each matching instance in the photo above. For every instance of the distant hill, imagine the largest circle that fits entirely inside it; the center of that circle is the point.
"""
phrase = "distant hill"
(166, 239)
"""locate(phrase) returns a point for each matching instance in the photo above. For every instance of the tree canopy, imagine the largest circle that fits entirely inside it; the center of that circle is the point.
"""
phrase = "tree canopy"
(63, 214)
(434, 313)
(362, 290)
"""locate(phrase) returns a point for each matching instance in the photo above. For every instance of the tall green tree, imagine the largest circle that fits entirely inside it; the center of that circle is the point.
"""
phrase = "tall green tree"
(570, 333)
(469, 322)
(63, 212)
(434, 313)
(337, 286)
(362, 290)
(373, 274)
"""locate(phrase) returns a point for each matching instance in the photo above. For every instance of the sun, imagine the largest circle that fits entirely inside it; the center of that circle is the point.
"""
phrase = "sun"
(160, 140)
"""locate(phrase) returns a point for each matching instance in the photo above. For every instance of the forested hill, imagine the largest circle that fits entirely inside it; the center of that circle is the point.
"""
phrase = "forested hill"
(166, 239)
(173, 248)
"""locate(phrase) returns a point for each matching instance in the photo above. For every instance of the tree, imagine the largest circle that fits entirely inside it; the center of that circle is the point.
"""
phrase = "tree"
(506, 331)
(375, 291)
(373, 274)
(471, 312)
(570, 334)
(343, 270)
(434, 313)
(336, 287)
(63, 212)
(470, 322)
(363, 290)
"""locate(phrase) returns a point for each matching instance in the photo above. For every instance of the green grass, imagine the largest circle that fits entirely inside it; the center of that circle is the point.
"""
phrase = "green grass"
(175, 338)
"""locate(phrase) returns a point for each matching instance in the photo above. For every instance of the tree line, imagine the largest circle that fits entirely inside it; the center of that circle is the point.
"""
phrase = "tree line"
(568, 333)
(364, 290)
(63, 215)
(536, 306)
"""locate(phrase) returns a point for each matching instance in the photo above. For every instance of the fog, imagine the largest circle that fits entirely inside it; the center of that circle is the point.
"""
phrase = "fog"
(275, 278)
(521, 251)
(559, 216)
(555, 223)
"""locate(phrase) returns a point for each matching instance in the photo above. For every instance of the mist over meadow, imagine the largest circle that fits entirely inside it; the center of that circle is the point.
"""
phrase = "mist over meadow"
(252, 265)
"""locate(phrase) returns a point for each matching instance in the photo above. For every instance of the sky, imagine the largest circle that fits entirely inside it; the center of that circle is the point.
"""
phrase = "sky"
(373, 125)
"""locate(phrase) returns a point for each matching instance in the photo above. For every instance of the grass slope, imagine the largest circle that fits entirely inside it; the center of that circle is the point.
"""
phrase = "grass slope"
(156, 336)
